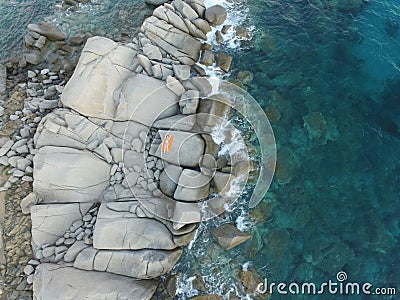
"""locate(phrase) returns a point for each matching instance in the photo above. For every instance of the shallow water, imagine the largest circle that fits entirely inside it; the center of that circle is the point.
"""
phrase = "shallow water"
(335, 195)
(14, 17)
(117, 19)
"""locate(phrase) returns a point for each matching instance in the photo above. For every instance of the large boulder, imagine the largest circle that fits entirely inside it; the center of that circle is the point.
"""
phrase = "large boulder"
(144, 100)
(64, 283)
(141, 264)
(172, 40)
(184, 148)
(215, 15)
(228, 236)
(64, 175)
(101, 69)
(126, 231)
(169, 179)
(49, 222)
(192, 186)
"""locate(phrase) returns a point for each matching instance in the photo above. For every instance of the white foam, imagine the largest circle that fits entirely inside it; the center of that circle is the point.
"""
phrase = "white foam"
(236, 16)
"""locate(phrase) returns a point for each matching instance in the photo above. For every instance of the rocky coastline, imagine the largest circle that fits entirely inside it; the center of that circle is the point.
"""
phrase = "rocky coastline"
(116, 145)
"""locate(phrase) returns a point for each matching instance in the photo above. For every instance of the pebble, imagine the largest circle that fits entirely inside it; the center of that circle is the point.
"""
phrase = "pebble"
(60, 249)
(27, 178)
(80, 236)
(23, 164)
(31, 74)
(69, 241)
(14, 117)
(113, 169)
(60, 241)
(48, 251)
(59, 256)
(87, 218)
(23, 149)
(77, 224)
(44, 71)
(19, 143)
(29, 280)
(6, 147)
(39, 254)
(28, 270)
(13, 179)
(4, 161)
(78, 231)
(33, 262)
(118, 176)
(18, 173)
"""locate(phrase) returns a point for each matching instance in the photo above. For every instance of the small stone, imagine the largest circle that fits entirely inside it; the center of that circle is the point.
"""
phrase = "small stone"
(60, 249)
(27, 178)
(18, 173)
(28, 270)
(33, 262)
(29, 280)
(80, 236)
(60, 241)
(175, 86)
(69, 241)
(48, 251)
(31, 74)
(87, 218)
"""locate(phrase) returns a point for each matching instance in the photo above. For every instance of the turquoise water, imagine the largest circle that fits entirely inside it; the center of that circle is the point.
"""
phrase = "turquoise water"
(340, 211)
(14, 17)
(335, 196)
(114, 19)
(334, 204)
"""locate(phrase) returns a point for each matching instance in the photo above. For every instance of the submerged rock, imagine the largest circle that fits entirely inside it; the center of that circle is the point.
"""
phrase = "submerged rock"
(228, 236)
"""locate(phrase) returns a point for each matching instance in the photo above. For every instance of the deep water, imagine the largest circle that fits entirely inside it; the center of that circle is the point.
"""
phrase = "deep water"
(327, 74)
(340, 210)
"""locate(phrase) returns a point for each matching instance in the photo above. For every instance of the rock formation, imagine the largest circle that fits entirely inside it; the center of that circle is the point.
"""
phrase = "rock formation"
(121, 169)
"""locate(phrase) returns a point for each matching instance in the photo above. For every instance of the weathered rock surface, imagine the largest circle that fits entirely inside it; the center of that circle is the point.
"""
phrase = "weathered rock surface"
(215, 15)
(192, 186)
(186, 149)
(69, 175)
(49, 222)
(142, 264)
(60, 282)
(125, 231)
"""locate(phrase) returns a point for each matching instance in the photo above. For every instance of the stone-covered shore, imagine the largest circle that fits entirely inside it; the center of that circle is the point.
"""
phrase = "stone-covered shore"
(121, 156)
